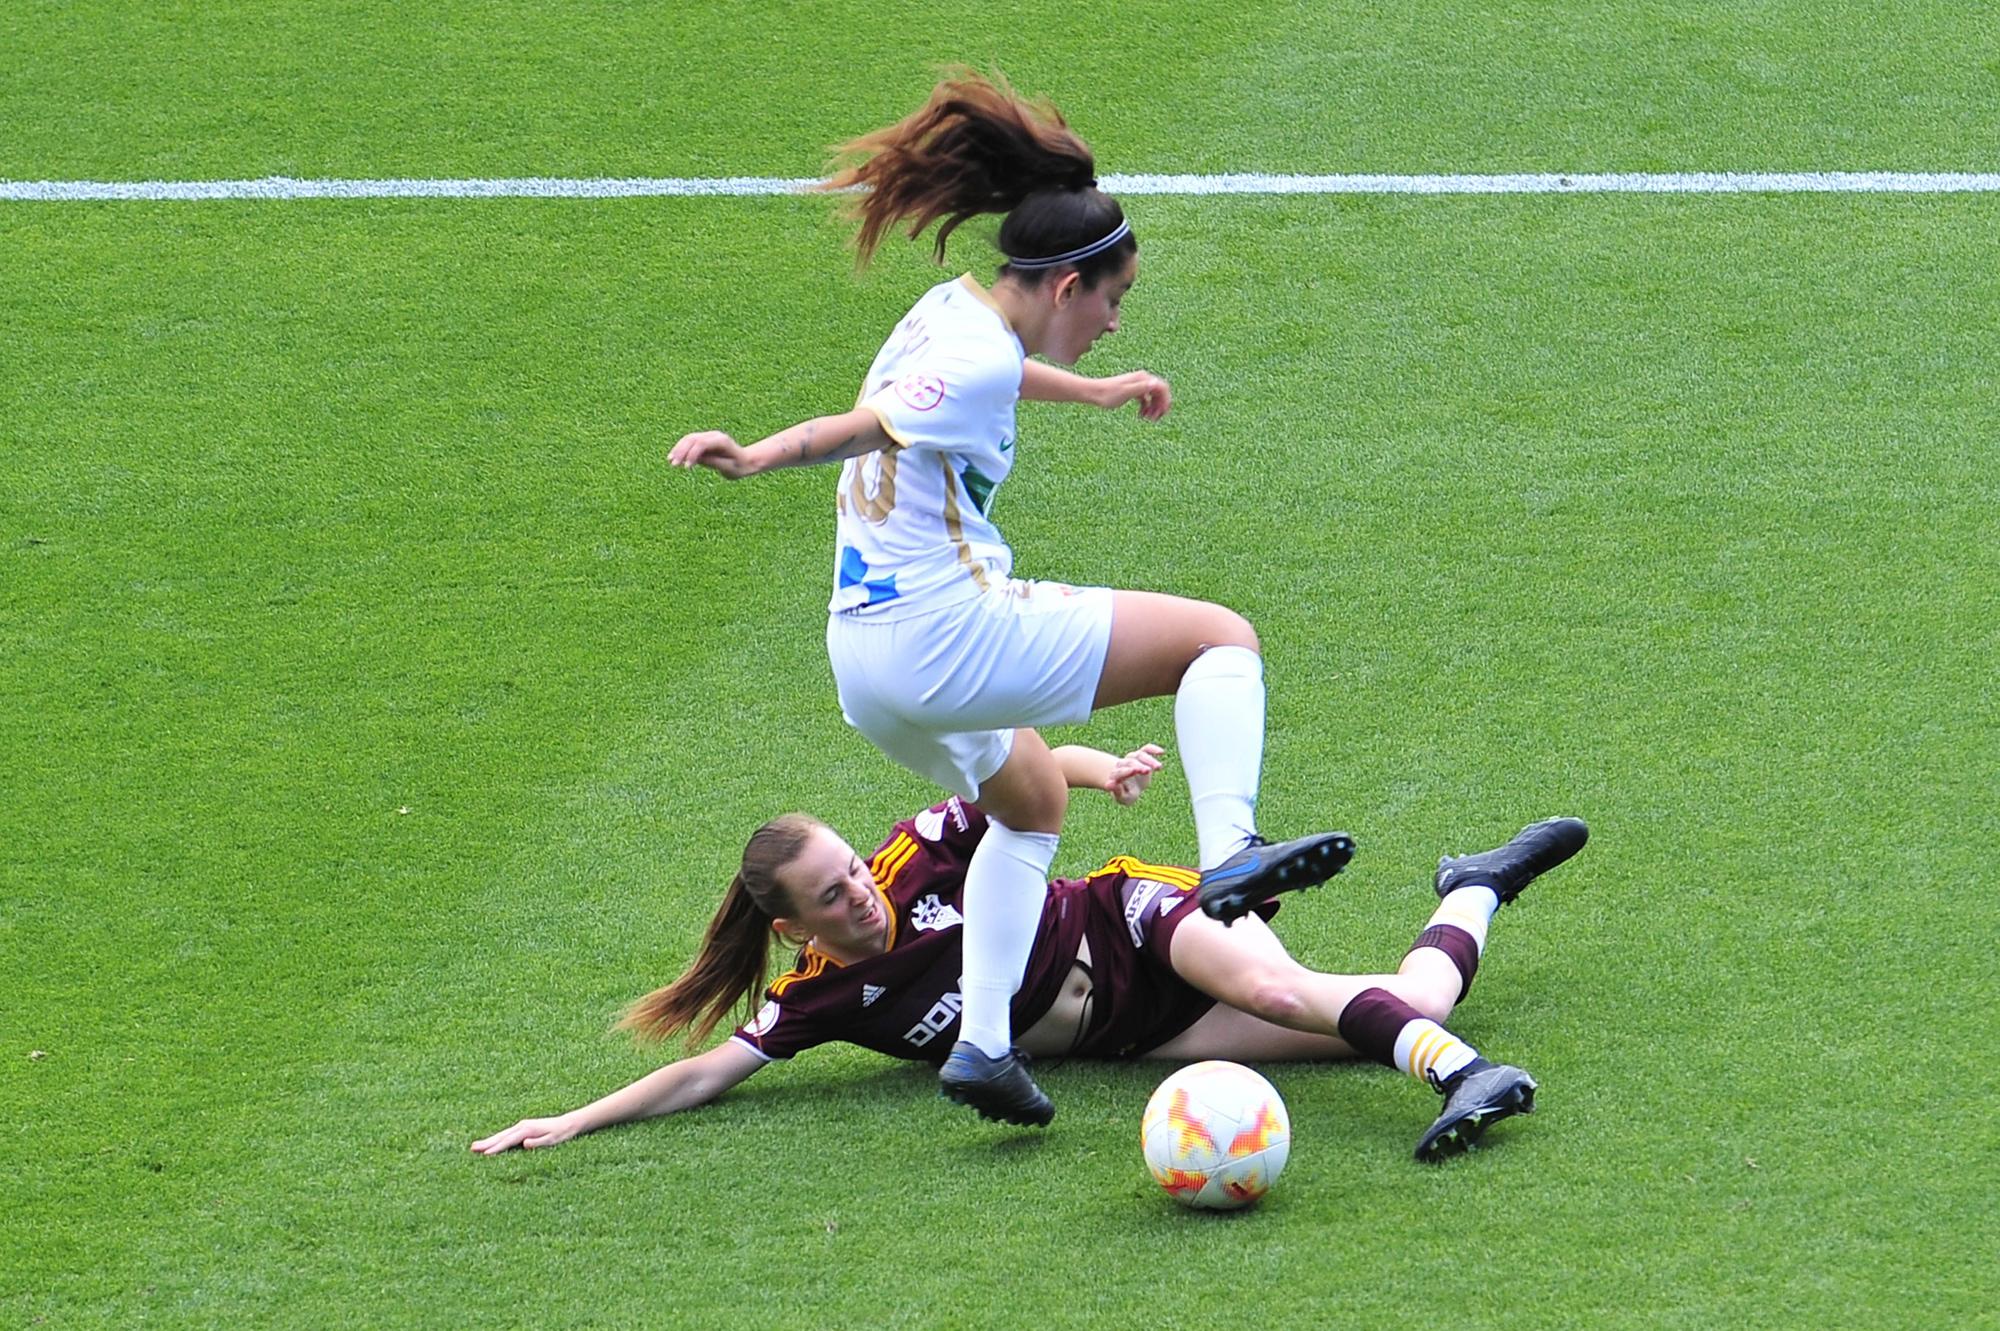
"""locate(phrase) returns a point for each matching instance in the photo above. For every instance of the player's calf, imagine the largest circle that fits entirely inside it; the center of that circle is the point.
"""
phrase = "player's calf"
(1477, 1093)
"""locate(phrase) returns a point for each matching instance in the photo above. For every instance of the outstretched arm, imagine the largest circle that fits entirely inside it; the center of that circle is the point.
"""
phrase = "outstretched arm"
(682, 1085)
(1124, 779)
(821, 439)
(1046, 383)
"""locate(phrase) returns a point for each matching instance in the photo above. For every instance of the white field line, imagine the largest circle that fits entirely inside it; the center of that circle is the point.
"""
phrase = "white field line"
(548, 187)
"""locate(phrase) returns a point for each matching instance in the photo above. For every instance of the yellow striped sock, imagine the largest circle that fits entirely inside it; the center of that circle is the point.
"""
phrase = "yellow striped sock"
(1470, 909)
(1429, 1052)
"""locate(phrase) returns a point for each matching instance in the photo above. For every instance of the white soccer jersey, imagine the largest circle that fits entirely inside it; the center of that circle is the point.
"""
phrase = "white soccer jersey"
(913, 531)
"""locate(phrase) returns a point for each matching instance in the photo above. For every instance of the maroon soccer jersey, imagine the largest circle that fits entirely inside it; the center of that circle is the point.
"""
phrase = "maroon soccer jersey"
(905, 1002)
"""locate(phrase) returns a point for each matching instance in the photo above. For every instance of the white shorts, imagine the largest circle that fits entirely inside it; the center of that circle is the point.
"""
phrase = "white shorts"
(942, 693)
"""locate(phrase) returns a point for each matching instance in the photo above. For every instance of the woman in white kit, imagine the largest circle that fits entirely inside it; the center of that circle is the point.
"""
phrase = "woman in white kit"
(943, 658)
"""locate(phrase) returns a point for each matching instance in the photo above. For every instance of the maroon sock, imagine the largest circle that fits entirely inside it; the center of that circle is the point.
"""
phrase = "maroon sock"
(1372, 1020)
(1457, 944)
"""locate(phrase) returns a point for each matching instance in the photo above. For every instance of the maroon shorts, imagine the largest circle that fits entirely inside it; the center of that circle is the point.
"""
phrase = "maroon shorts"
(1137, 1002)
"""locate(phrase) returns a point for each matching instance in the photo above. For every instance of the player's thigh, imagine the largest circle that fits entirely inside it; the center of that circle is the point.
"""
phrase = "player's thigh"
(1244, 965)
(1227, 1032)
(1225, 960)
(1155, 637)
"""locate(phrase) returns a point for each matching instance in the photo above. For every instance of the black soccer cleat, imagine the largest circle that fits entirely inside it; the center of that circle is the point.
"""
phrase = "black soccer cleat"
(1262, 870)
(1474, 1102)
(999, 1088)
(1535, 849)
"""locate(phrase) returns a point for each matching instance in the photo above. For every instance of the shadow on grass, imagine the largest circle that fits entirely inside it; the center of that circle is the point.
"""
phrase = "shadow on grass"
(1353, 1112)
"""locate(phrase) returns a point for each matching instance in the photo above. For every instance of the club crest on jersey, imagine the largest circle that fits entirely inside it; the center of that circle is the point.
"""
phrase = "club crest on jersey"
(931, 913)
(921, 391)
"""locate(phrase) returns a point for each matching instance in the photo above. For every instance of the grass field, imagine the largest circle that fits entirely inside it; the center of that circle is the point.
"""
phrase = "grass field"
(378, 714)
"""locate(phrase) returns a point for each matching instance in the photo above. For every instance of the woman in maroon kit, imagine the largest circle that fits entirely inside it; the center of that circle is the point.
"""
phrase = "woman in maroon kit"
(1125, 965)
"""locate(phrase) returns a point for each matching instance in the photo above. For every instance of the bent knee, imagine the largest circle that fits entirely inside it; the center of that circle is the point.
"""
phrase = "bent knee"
(1045, 809)
(1275, 997)
(1227, 628)
(1029, 797)
(1434, 1002)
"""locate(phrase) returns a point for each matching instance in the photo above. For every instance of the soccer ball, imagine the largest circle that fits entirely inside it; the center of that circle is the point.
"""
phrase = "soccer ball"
(1215, 1135)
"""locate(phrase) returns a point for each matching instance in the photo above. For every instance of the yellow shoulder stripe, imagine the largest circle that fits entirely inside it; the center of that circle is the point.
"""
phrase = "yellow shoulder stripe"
(893, 864)
(1173, 875)
(815, 963)
(897, 844)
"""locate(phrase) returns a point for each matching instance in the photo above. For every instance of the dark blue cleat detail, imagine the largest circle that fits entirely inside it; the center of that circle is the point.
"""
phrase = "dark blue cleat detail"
(999, 1088)
(1474, 1102)
(1261, 870)
(1535, 849)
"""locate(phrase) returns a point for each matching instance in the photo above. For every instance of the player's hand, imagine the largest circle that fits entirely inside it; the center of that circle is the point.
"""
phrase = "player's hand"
(1131, 774)
(712, 449)
(1153, 394)
(528, 1134)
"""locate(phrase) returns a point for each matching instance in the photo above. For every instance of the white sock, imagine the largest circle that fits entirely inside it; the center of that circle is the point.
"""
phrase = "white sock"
(1470, 909)
(1004, 887)
(1219, 720)
(1429, 1052)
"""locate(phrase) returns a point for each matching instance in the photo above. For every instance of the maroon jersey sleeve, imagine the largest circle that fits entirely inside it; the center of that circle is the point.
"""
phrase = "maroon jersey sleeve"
(793, 1016)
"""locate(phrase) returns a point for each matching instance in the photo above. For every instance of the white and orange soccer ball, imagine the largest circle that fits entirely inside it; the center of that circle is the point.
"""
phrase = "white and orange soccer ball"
(1216, 1135)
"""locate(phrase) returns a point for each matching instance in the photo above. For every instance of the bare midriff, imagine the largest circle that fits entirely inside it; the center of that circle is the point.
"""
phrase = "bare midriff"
(1060, 1028)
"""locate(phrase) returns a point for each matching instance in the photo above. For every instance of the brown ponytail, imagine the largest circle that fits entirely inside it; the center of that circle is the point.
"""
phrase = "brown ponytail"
(976, 147)
(735, 952)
